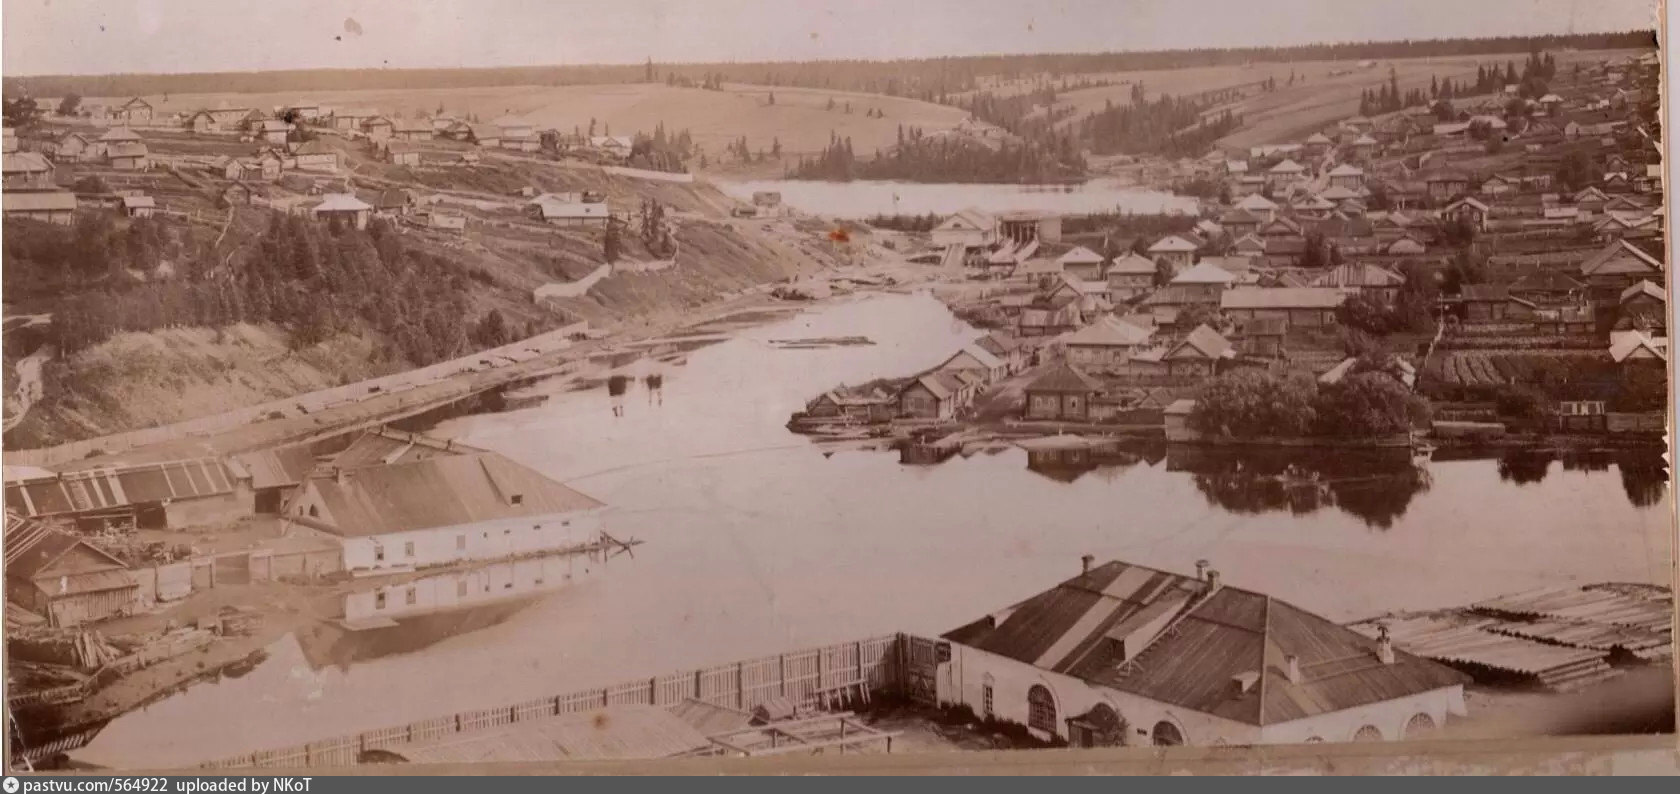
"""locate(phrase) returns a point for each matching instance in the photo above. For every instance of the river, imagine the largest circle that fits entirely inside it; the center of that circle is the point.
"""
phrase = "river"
(760, 541)
(862, 199)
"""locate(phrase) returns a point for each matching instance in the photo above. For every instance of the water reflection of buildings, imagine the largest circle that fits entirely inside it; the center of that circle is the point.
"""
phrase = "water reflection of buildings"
(1066, 458)
(411, 614)
(1374, 485)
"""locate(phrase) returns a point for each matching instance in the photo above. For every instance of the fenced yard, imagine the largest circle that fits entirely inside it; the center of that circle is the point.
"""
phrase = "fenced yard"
(872, 664)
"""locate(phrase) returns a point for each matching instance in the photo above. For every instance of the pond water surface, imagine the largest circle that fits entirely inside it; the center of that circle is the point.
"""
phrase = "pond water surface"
(760, 541)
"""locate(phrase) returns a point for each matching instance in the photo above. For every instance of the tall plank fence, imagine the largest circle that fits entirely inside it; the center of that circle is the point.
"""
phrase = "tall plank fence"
(874, 663)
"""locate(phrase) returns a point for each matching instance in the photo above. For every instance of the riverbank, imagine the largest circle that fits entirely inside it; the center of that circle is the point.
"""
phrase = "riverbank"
(475, 374)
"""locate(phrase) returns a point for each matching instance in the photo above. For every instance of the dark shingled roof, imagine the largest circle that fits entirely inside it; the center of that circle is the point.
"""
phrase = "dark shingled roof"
(1187, 645)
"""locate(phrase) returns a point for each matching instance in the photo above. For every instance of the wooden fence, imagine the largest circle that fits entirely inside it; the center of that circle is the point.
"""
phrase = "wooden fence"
(874, 663)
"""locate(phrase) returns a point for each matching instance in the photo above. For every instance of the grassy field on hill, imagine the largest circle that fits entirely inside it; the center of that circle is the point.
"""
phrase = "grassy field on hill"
(800, 116)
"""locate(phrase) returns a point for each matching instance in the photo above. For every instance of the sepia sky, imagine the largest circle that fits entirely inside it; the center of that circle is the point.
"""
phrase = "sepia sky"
(109, 36)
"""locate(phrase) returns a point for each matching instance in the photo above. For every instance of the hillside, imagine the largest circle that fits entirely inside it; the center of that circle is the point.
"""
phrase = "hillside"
(141, 379)
(800, 117)
(302, 305)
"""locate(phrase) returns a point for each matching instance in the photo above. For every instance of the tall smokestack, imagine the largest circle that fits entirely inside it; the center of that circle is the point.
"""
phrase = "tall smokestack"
(1085, 564)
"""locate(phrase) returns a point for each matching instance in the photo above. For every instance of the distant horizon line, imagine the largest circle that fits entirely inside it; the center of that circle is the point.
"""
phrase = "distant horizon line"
(647, 59)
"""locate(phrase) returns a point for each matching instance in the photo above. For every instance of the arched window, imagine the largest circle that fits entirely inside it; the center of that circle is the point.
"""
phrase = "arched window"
(1041, 709)
(1369, 733)
(1315, 740)
(1166, 734)
(1419, 726)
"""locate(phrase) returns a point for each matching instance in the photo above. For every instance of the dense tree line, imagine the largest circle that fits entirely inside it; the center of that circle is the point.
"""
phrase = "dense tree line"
(314, 279)
(1169, 126)
(661, 151)
(1365, 403)
(924, 78)
(946, 158)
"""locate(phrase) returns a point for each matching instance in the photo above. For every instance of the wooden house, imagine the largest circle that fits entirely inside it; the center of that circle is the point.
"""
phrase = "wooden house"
(47, 206)
(1446, 185)
(1130, 276)
(976, 359)
(135, 111)
(128, 156)
(1199, 354)
(402, 153)
(1107, 343)
(347, 119)
(74, 147)
(1261, 337)
(1082, 263)
(379, 128)
(275, 132)
(1364, 279)
(412, 130)
(1617, 266)
(1300, 307)
(1062, 393)
(1493, 303)
(939, 396)
(969, 228)
(345, 208)
(61, 577)
(1467, 210)
(1347, 176)
(26, 171)
(1175, 250)
(316, 155)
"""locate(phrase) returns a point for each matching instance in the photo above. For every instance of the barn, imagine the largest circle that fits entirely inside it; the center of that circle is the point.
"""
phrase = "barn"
(61, 577)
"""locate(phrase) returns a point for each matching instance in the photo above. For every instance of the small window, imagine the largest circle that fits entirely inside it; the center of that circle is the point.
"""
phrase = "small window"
(379, 553)
(379, 600)
(408, 548)
(517, 499)
(986, 701)
(410, 597)
(536, 526)
(313, 512)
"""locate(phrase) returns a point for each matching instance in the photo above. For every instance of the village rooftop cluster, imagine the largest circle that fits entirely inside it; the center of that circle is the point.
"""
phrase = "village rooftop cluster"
(1507, 256)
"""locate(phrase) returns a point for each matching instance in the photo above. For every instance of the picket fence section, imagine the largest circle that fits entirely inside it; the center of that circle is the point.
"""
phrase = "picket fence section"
(873, 663)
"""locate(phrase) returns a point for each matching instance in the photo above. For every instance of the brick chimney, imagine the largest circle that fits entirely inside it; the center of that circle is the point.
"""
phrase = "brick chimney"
(1201, 570)
(1085, 564)
(1292, 668)
(1212, 580)
(341, 475)
(1385, 646)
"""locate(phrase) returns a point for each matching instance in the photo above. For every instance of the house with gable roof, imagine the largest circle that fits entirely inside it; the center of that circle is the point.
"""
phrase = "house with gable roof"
(442, 510)
(1062, 393)
(1127, 655)
(63, 578)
